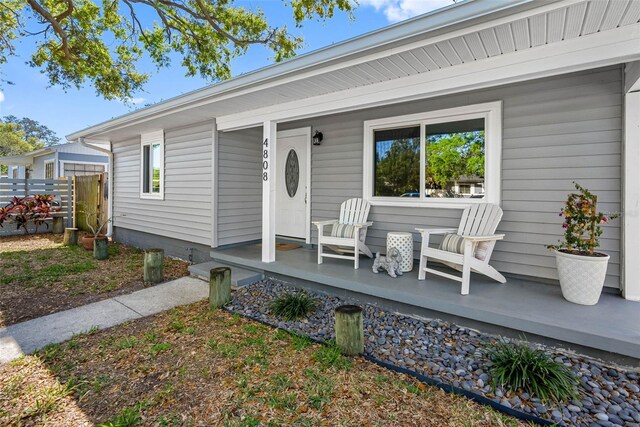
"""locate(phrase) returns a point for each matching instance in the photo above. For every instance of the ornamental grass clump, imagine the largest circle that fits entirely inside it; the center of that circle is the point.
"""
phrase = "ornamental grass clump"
(293, 306)
(518, 367)
(582, 223)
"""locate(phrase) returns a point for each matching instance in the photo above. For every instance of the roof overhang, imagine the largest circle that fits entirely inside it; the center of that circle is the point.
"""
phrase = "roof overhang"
(466, 46)
(17, 160)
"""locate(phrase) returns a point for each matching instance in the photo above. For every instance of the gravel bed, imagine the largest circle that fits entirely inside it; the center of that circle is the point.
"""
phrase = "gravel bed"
(607, 396)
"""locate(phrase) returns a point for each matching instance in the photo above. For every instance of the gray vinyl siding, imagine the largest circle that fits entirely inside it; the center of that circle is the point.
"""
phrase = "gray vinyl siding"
(555, 130)
(185, 212)
(239, 186)
(37, 171)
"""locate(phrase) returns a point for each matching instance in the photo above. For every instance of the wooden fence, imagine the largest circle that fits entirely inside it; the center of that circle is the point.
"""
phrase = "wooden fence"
(62, 190)
(90, 199)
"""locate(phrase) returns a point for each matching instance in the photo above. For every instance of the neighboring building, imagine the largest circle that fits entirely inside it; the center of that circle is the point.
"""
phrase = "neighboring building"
(64, 160)
(554, 87)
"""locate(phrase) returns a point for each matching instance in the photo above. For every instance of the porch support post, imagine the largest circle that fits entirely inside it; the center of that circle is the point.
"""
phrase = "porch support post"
(268, 191)
(214, 184)
(631, 198)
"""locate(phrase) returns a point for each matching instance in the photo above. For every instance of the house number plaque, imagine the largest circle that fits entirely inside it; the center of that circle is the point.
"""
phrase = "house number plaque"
(265, 160)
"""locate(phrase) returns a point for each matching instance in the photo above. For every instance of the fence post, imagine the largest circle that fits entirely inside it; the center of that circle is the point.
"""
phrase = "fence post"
(70, 202)
(26, 187)
(74, 224)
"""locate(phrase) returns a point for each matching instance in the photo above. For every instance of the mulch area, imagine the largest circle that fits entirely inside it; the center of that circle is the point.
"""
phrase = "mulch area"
(195, 366)
(39, 276)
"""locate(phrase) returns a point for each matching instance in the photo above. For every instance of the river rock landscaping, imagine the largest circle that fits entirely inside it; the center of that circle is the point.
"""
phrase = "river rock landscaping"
(607, 395)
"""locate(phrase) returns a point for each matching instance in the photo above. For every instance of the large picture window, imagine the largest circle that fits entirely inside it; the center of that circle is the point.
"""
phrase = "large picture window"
(448, 158)
(152, 165)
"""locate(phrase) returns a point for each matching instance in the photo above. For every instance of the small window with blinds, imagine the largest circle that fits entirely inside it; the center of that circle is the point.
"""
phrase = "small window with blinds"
(48, 169)
(152, 165)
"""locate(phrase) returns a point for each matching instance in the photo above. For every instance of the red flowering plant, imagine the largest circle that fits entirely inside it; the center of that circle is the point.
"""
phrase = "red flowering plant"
(31, 209)
(582, 223)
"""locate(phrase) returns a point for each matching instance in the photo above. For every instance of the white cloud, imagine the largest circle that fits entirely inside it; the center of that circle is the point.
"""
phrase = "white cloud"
(399, 10)
(136, 101)
(1, 96)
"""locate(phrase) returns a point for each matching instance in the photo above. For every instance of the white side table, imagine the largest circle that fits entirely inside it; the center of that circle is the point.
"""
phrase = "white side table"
(404, 243)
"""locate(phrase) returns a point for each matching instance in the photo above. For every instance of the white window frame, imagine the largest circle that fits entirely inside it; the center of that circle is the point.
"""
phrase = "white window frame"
(46, 163)
(149, 139)
(11, 170)
(492, 114)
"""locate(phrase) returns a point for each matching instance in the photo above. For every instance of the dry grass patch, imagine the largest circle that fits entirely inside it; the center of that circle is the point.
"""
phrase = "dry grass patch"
(193, 366)
(39, 276)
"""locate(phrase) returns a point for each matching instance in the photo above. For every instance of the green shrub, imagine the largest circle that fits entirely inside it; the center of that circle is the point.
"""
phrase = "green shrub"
(293, 306)
(519, 367)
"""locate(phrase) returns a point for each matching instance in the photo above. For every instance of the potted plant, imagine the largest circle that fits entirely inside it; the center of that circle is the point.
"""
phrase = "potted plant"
(99, 242)
(581, 270)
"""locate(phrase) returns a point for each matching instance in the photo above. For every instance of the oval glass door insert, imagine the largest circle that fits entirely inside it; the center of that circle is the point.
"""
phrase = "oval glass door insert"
(292, 173)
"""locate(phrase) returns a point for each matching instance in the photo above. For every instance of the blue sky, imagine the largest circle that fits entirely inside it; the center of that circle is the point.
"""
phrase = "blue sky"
(65, 112)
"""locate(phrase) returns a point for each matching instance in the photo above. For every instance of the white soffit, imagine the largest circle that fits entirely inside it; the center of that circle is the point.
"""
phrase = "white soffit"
(523, 31)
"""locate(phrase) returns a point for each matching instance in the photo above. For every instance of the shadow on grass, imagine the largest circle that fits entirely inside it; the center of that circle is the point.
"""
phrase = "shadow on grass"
(39, 276)
(192, 365)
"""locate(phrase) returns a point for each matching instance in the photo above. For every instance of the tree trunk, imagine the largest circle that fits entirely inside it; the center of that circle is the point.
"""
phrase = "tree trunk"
(153, 265)
(219, 286)
(349, 329)
(58, 225)
(101, 248)
(70, 237)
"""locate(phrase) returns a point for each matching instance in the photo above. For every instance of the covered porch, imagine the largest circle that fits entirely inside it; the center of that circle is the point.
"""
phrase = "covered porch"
(608, 329)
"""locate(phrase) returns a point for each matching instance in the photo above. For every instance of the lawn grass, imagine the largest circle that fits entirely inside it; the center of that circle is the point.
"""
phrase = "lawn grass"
(194, 366)
(39, 276)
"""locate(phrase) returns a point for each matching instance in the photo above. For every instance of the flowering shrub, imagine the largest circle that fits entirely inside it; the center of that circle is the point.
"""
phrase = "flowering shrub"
(581, 223)
(31, 209)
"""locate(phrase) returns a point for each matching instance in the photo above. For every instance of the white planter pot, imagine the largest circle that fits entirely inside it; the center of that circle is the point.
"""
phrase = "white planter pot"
(581, 277)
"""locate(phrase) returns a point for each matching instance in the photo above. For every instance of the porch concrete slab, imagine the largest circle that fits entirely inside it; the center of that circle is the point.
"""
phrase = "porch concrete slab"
(29, 336)
(521, 305)
(182, 291)
(239, 276)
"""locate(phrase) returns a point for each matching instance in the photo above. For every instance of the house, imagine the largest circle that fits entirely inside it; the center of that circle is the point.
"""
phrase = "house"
(57, 161)
(550, 89)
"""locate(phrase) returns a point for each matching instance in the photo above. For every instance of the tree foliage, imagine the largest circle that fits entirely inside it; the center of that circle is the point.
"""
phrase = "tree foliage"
(102, 43)
(398, 169)
(33, 130)
(14, 141)
(450, 156)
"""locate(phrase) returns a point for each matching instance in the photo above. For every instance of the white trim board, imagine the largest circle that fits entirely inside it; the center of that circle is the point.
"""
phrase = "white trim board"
(492, 114)
(631, 198)
(582, 53)
(215, 142)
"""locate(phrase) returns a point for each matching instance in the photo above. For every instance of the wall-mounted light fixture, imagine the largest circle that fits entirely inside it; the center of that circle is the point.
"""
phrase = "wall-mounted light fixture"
(317, 138)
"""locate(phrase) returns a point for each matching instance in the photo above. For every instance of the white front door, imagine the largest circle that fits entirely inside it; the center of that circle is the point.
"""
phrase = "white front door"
(291, 183)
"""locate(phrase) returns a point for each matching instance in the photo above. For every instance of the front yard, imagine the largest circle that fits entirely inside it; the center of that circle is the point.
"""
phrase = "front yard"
(193, 366)
(39, 276)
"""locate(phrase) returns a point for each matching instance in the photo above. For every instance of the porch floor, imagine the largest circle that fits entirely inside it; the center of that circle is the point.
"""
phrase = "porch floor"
(613, 325)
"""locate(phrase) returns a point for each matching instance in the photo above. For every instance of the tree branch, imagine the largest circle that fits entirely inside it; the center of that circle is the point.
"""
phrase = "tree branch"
(55, 24)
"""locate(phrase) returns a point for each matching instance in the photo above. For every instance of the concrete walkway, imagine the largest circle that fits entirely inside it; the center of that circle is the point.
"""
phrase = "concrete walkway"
(27, 337)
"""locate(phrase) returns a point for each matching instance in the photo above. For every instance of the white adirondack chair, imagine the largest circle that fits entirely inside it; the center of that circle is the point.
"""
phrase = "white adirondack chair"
(348, 234)
(467, 248)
